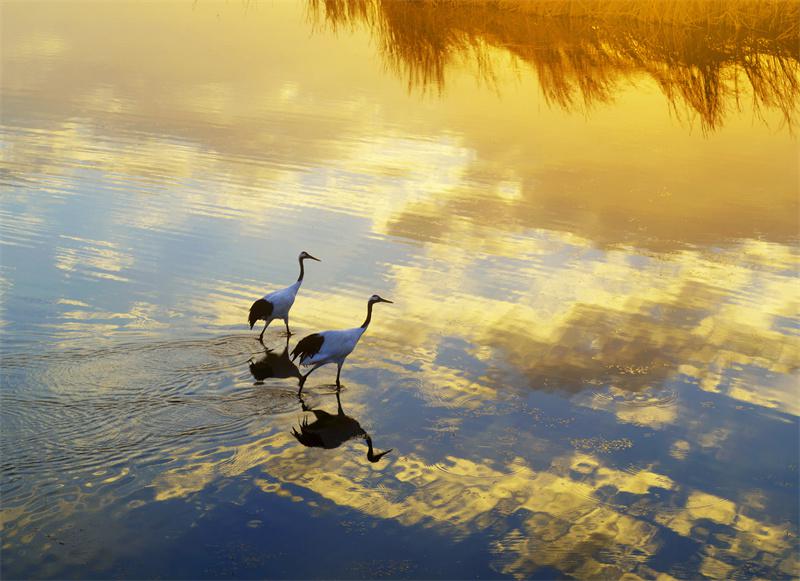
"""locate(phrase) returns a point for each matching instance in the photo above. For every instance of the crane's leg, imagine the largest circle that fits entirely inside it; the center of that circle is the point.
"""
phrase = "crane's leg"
(286, 320)
(261, 336)
(338, 373)
(303, 405)
(303, 380)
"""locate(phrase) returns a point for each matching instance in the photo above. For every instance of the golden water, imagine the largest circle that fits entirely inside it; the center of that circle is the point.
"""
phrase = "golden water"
(589, 228)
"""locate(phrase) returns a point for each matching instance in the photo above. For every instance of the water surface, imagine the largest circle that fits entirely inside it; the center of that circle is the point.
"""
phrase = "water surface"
(589, 232)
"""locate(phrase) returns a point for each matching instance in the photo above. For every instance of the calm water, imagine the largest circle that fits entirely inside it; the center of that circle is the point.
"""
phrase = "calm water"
(590, 235)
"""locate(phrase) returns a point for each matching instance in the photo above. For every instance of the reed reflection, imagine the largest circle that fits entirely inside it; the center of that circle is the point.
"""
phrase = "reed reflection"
(330, 431)
(704, 56)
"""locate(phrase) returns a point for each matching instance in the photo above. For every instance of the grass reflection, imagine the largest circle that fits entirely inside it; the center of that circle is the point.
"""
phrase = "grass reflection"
(705, 56)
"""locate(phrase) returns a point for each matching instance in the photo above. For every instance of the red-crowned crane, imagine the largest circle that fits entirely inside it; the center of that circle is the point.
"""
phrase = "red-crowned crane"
(276, 305)
(330, 431)
(326, 347)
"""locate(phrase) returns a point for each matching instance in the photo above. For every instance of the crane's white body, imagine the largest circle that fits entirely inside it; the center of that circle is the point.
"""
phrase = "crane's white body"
(282, 301)
(319, 349)
(277, 304)
(336, 346)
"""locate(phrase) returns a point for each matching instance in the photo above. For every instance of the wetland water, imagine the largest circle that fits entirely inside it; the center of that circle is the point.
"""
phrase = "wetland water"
(589, 232)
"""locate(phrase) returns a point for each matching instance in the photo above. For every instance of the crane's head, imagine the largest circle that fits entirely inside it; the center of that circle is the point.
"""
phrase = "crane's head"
(304, 255)
(376, 299)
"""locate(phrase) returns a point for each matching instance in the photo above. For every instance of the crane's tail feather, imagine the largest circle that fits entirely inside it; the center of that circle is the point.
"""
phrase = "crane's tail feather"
(308, 437)
(261, 309)
(307, 347)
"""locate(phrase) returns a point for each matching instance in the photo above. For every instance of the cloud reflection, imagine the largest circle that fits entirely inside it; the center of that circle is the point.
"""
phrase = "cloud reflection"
(534, 254)
(566, 526)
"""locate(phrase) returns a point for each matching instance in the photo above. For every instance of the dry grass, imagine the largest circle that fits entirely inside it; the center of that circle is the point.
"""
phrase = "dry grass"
(706, 56)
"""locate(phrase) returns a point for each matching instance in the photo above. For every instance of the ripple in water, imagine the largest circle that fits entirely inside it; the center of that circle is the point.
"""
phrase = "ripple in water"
(654, 502)
(652, 397)
(470, 470)
(79, 417)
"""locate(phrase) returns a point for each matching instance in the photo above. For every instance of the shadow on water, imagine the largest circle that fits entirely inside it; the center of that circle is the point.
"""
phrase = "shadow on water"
(330, 431)
(706, 57)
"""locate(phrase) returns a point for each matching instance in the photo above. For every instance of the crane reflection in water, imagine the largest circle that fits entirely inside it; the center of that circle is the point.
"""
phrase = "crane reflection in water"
(273, 365)
(330, 431)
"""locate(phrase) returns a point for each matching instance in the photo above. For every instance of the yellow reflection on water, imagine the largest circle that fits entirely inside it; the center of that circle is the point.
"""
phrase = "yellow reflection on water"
(617, 249)
(522, 167)
(636, 327)
(565, 525)
(704, 56)
(97, 258)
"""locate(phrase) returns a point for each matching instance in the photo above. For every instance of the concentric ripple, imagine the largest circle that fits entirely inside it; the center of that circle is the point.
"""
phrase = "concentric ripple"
(79, 413)
(651, 397)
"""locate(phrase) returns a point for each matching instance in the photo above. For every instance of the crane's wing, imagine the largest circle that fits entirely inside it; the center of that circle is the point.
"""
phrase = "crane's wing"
(261, 370)
(261, 309)
(308, 437)
(307, 347)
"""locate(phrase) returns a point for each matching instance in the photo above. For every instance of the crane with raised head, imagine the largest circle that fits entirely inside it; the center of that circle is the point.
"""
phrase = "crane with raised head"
(277, 304)
(325, 347)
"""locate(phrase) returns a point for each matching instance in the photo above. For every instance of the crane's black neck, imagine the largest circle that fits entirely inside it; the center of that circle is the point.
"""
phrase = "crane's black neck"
(371, 455)
(369, 315)
(302, 271)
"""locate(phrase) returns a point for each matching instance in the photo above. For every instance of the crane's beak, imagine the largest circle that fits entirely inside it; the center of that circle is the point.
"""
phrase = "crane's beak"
(372, 456)
(386, 301)
(376, 457)
(312, 258)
